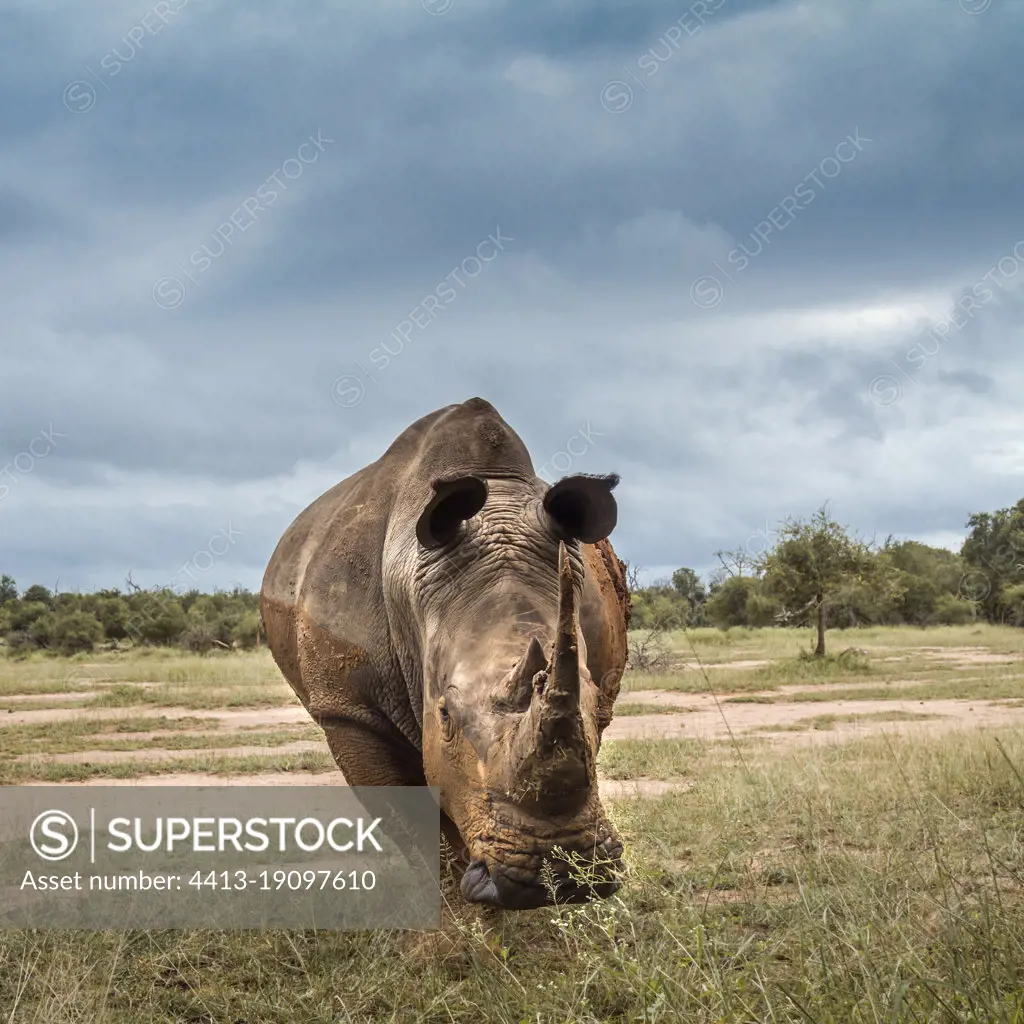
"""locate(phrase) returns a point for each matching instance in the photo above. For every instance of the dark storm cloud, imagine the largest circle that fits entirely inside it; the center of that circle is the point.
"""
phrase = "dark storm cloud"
(187, 333)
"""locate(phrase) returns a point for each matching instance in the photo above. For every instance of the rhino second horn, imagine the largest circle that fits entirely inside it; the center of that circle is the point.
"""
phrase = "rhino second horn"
(519, 687)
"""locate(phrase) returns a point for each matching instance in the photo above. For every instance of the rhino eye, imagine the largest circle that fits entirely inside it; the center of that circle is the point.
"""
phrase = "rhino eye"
(447, 725)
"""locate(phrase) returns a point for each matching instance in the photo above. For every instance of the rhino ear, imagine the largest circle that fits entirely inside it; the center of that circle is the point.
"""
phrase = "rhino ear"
(582, 507)
(454, 501)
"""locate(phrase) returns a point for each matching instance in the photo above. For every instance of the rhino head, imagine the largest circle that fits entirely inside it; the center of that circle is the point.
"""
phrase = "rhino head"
(510, 728)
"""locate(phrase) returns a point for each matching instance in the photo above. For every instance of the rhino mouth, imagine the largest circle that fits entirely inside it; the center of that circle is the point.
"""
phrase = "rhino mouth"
(500, 884)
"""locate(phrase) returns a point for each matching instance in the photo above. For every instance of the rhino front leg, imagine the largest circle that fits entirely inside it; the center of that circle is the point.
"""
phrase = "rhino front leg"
(367, 759)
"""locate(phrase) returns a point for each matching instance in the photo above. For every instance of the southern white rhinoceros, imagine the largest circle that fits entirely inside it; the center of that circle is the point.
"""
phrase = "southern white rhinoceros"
(451, 620)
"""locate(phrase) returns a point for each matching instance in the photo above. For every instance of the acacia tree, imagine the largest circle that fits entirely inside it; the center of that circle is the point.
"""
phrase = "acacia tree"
(688, 586)
(814, 560)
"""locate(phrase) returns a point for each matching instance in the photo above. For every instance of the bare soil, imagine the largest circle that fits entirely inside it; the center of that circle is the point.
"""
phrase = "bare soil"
(157, 754)
(65, 695)
(700, 717)
(286, 715)
(967, 655)
(611, 789)
(693, 667)
(328, 778)
(719, 721)
(684, 699)
(680, 714)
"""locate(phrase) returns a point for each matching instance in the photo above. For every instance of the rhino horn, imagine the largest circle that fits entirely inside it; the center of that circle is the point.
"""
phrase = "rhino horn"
(518, 689)
(556, 766)
(558, 692)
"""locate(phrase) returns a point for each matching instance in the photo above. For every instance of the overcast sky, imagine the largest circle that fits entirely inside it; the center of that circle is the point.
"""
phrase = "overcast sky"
(749, 255)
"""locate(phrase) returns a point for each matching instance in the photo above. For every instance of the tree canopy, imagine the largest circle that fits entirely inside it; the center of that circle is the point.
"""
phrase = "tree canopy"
(816, 561)
(993, 554)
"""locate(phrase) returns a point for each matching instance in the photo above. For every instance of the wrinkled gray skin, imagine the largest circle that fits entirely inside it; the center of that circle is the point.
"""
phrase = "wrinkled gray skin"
(450, 620)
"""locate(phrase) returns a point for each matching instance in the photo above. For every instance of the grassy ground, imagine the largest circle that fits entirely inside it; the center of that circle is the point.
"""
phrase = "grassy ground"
(989, 687)
(623, 709)
(823, 722)
(890, 655)
(43, 770)
(715, 646)
(170, 678)
(874, 879)
(20, 742)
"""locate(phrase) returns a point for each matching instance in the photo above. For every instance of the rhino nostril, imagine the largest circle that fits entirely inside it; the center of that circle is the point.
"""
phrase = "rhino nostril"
(477, 885)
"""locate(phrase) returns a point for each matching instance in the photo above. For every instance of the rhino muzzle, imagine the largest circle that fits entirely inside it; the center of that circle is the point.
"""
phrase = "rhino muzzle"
(591, 875)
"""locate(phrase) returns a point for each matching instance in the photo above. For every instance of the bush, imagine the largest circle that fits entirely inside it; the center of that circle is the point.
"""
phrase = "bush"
(20, 644)
(198, 638)
(23, 613)
(66, 632)
(76, 632)
(951, 610)
(1011, 604)
(728, 605)
(761, 609)
(246, 631)
(113, 614)
(37, 594)
(157, 619)
(659, 606)
(852, 659)
(859, 604)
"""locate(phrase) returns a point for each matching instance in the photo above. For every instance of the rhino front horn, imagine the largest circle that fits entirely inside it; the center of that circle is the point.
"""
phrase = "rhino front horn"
(559, 700)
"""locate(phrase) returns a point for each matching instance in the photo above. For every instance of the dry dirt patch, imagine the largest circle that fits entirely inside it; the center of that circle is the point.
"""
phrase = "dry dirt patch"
(677, 698)
(632, 789)
(701, 716)
(684, 699)
(159, 754)
(66, 695)
(693, 667)
(611, 789)
(242, 718)
(680, 715)
(967, 655)
(328, 778)
(720, 721)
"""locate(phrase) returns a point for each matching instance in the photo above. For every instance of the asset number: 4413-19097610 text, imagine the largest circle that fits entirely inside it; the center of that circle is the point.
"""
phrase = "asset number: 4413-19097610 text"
(271, 881)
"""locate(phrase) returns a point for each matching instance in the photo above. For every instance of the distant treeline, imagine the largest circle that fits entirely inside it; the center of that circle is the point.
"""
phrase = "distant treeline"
(814, 571)
(69, 623)
(898, 583)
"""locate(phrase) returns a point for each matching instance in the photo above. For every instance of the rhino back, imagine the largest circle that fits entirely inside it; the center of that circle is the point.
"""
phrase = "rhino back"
(322, 598)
